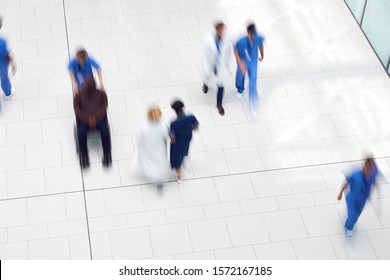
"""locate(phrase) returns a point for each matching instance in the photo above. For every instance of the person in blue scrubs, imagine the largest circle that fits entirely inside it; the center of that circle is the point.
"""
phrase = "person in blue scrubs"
(360, 183)
(5, 61)
(80, 69)
(246, 51)
(181, 135)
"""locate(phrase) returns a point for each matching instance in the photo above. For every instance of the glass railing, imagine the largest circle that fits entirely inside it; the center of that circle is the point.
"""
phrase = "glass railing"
(373, 17)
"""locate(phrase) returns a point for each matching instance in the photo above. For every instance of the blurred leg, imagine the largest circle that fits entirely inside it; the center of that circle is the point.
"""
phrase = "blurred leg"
(5, 83)
(240, 79)
(82, 130)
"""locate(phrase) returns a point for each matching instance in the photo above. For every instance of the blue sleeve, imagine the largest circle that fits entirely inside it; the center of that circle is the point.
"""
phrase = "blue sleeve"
(194, 122)
(172, 131)
(260, 40)
(3, 48)
(349, 179)
(71, 65)
(94, 63)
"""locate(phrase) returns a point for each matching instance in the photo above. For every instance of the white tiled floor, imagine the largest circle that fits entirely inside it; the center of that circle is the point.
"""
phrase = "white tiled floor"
(260, 188)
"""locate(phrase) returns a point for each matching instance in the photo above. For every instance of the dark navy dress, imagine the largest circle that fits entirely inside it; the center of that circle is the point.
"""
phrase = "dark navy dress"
(181, 129)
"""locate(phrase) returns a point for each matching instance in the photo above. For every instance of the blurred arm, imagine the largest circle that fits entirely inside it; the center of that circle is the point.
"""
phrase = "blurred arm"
(343, 187)
(240, 63)
(261, 48)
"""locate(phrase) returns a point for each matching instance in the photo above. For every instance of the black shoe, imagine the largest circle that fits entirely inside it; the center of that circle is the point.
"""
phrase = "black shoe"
(205, 88)
(84, 161)
(221, 110)
(107, 160)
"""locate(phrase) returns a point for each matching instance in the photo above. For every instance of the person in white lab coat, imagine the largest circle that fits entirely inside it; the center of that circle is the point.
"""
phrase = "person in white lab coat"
(151, 160)
(216, 61)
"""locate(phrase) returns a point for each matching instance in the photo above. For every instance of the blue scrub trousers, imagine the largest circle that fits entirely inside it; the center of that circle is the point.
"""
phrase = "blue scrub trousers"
(252, 75)
(354, 211)
(5, 83)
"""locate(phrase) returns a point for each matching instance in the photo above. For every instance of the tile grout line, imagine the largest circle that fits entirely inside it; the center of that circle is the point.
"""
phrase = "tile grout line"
(81, 171)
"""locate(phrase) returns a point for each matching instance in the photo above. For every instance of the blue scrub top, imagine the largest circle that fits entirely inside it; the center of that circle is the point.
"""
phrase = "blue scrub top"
(3, 52)
(360, 186)
(248, 52)
(81, 72)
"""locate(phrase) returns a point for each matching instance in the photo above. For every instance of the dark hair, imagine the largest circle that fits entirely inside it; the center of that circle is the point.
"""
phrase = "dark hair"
(177, 106)
(251, 28)
(369, 160)
(82, 53)
(218, 24)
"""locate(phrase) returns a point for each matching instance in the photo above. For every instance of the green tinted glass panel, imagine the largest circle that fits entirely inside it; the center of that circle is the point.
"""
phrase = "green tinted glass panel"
(376, 26)
(356, 7)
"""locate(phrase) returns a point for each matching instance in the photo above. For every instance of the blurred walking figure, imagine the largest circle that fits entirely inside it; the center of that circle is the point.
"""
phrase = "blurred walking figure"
(152, 157)
(80, 69)
(246, 52)
(181, 135)
(359, 183)
(91, 113)
(217, 56)
(5, 61)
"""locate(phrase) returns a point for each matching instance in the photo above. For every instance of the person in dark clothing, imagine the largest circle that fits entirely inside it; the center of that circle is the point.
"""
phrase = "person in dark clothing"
(181, 135)
(91, 113)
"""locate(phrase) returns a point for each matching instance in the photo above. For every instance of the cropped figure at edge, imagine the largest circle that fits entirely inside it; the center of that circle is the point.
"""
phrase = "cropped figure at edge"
(358, 187)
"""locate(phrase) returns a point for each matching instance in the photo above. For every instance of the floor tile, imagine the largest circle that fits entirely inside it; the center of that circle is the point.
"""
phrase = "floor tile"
(380, 243)
(219, 210)
(205, 255)
(170, 239)
(318, 127)
(123, 200)
(239, 253)
(252, 161)
(197, 192)
(209, 234)
(37, 209)
(13, 213)
(312, 152)
(217, 163)
(155, 200)
(101, 246)
(381, 207)
(26, 183)
(79, 247)
(283, 131)
(52, 248)
(322, 220)
(252, 134)
(220, 137)
(319, 248)
(275, 251)
(285, 225)
(236, 187)
(131, 244)
(247, 230)
(14, 251)
(143, 219)
(356, 247)
(295, 201)
(278, 156)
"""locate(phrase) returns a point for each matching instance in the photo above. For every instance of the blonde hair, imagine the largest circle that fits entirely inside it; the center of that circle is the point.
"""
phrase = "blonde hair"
(154, 114)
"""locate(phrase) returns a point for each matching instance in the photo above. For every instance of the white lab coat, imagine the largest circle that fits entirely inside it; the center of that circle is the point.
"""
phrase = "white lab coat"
(210, 59)
(151, 159)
